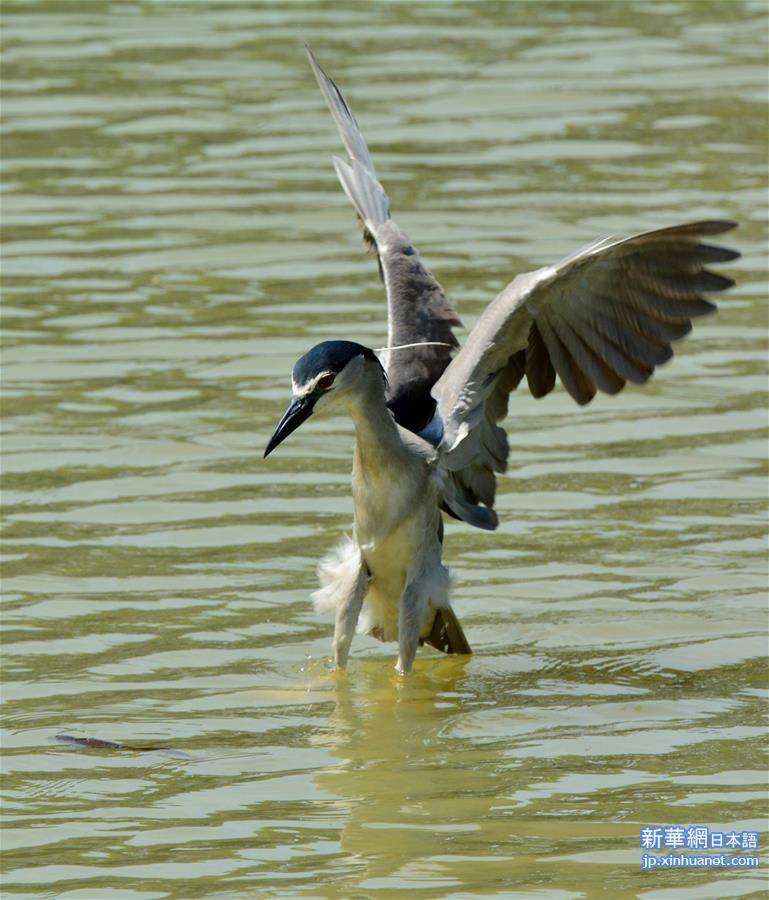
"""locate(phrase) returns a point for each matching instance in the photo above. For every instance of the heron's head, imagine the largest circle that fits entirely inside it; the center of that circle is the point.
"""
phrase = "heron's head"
(326, 373)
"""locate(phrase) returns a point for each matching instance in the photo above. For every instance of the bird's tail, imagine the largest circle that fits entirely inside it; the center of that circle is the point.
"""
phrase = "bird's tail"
(446, 634)
(357, 175)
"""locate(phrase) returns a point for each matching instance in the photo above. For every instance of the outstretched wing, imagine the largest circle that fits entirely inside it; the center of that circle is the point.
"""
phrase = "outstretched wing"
(418, 311)
(602, 317)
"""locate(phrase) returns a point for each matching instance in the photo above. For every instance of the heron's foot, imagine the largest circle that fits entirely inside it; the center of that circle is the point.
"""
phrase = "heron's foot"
(402, 668)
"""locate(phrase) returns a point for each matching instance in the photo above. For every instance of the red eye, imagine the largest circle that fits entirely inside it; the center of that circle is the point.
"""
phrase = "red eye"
(325, 381)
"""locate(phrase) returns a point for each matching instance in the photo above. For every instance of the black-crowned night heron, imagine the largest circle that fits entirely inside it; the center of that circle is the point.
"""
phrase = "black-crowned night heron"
(427, 436)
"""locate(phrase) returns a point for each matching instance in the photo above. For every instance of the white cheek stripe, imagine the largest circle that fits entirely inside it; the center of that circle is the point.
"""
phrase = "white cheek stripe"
(304, 389)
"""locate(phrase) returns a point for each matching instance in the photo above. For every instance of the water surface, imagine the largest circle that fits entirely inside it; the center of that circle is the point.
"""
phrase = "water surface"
(174, 239)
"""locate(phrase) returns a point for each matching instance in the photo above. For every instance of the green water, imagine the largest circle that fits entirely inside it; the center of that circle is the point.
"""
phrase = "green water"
(174, 239)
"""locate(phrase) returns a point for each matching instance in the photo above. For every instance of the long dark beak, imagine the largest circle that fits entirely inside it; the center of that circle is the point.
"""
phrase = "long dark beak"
(298, 411)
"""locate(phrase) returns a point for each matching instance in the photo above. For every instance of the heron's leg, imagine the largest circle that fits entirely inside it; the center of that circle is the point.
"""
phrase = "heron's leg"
(347, 612)
(410, 619)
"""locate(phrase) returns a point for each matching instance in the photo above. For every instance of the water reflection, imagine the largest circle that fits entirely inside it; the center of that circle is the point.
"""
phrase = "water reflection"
(406, 787)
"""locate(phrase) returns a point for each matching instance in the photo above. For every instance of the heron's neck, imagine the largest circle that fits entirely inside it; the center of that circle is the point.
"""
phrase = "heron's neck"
(378, 443)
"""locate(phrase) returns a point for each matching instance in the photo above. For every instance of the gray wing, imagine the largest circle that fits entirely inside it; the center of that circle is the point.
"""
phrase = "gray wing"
(418, 310)
(602, 317)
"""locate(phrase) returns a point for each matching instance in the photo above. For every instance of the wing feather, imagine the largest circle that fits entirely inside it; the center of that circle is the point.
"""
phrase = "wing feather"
(587, 355)
(418, 311)
(602, 317)
(538, 368)
(567, 367)
(635, 336)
